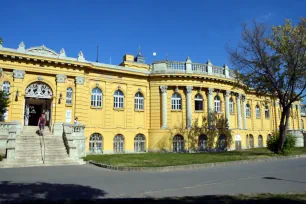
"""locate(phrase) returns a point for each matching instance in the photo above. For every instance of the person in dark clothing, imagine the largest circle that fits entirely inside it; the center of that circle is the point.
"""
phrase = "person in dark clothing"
(41, 124)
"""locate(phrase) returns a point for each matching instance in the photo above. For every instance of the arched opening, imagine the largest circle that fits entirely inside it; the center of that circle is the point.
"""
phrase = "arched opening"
(260, 141)
(237, 142)
(222, 145)
(140, 143)
(202, 143)
(251, 141)
(119, 144)
(178, 143)
(95, 143)
(38, 100)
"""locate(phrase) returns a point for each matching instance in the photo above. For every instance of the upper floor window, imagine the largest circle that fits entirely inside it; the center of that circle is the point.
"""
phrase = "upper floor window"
(176, 101)
(96, 97)
(69, 96)
(6, 87)
(231, 105)
(247, 110)
(257, 109)
(118, 99)
(217, 104)
(267, 113)
(139, 101)
(198, 102)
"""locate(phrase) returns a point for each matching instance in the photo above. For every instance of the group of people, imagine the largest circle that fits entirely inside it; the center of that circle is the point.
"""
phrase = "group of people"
(42, 123)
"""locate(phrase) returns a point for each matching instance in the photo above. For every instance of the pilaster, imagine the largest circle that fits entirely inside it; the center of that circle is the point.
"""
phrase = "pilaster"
(17, 100)
(227, 111)
(244, 112)
(163, 90)
(210, 106)
(81, 103)
(239, 111)
(189, 106)
(60, 95)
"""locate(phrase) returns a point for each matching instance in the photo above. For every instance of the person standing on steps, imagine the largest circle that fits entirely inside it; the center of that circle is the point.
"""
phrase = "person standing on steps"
(75, 120)
(41, 124)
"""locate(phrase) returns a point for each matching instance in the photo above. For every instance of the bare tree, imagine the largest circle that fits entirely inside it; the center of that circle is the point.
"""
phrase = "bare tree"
(273, 61)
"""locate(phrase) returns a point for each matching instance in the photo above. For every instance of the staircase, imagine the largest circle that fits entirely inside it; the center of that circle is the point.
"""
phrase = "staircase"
(34, 150)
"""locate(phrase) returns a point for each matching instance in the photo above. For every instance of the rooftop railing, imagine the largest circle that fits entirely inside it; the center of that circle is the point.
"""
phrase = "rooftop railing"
(190, 68)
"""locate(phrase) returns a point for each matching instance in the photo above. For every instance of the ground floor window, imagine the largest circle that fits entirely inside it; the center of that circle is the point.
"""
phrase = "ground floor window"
(95, 143)
(178, 143)
(251, 141)
(222, 142)
(260, 141)
(119, 144)
(202, 143)
(140, 143)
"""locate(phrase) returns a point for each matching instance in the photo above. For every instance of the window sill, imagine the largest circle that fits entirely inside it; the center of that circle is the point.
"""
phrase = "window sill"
(138, 110)
(68, 105)
(257, 118)
(232, 113)
(199, 111)
(95, 107)
(119, 109)
(176, 110)
(248, 117)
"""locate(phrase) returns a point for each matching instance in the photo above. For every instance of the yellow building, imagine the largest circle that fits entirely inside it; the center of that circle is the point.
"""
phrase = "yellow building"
(131, 107)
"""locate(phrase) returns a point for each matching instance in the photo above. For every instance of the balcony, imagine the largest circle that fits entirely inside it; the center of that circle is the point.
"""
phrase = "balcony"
(173, 67)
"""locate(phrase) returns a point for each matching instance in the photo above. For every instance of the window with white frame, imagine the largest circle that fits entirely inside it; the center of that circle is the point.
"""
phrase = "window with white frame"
(231, 105)
(198, 102)
(176, 101)
(247, 110)
(96, 97)
(95, 143)
(257, 110)
(139, 101)
(69, 96)
(140, 143)
(217, 104)
(6, 86)
(118, 99)
(178, 143)
(267, 112)
(118, 144)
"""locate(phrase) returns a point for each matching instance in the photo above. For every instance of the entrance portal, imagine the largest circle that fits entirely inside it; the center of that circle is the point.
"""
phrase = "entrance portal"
(38, 100)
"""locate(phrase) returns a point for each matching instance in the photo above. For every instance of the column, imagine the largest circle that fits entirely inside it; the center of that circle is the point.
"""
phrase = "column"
(239, 111)
(227, 111)
(210, 106)
(244, 113)
(189, 106)
(163, 89)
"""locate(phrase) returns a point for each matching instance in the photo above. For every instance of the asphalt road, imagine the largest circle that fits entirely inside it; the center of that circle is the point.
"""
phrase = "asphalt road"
(89, 182)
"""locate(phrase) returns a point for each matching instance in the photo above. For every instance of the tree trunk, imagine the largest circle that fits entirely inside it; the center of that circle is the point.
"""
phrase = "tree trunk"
(282, 128)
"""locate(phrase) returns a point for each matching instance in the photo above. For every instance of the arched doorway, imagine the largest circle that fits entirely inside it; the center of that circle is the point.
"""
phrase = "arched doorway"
(38, 100)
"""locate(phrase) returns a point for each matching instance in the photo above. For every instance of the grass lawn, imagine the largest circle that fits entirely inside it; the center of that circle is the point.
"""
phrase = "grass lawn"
(174, 159)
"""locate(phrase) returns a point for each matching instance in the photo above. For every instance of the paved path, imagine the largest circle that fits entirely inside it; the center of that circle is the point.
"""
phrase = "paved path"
(88, 181)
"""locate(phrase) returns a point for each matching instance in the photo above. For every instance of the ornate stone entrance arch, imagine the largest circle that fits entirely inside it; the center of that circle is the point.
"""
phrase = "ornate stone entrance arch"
(38, 100)
(38, 90)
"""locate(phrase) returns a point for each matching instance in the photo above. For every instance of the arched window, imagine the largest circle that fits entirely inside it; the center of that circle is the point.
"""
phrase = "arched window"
(140, 143)
(217, 104)
(69, 95)
(96, 97)
(247, 110)
(198, 102)
(257, 110)
(119, 144)
(6, 86)
(139, 101)
(302, 124)
(222, 144)
(178, 143)
(251, 141)
(118, 99)
(176, 101)
(202, 143)
(267, 113)
(231, 105)
(260, 141)
(95, 143)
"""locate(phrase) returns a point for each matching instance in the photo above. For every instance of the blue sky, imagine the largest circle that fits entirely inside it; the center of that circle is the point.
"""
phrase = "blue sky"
(196, 28)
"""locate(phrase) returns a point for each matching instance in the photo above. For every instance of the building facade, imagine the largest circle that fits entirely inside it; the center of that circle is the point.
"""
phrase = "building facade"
(131, 107)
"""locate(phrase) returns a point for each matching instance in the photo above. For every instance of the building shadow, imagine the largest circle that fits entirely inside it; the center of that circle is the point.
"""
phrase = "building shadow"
(278, 179)
(46, 193)
(16, 192)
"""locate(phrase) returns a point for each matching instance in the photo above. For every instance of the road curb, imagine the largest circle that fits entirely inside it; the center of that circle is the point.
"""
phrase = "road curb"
(192, 166)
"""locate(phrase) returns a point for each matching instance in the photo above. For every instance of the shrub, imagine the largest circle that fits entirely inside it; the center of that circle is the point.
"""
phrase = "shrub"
(289, 144)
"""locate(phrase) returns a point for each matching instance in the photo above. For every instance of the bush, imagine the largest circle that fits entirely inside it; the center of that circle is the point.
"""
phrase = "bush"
(289, 144)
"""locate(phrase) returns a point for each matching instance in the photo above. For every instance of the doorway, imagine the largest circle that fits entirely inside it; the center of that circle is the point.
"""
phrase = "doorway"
(33, 110)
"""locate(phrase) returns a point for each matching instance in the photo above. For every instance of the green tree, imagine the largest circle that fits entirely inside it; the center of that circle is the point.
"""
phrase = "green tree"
(4, 103)
(273, 61)
(1, 41)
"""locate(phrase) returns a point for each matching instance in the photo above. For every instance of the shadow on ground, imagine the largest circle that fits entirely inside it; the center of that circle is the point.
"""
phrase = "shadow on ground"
(32, 193)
